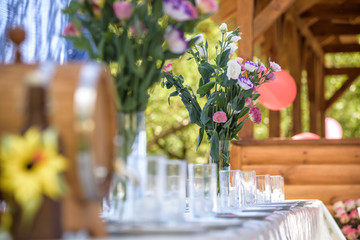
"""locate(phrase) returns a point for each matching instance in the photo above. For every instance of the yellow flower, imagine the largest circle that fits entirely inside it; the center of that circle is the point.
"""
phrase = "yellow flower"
(31, 167)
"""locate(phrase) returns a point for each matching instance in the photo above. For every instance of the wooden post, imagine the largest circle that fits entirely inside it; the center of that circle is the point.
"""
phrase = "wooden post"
(245, 19)
(294, 60)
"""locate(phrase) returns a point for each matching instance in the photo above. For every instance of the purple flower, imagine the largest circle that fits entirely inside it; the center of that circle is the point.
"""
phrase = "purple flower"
(255, 114)
(271, 76)
(123, 10)
(248, 102)
(245, 83)
(275, 67)
(250, 66)
(180, 10)
(261, 68)
(176, 40)
(220, 117)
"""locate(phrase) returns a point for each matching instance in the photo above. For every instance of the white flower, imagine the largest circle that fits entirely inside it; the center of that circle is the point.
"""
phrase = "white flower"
(223, 28)
(239, 60)
(250, 66)
(234, 38)
(200, 39)
(202, 51)
(233, 70)
(232, 47)
(275, 67)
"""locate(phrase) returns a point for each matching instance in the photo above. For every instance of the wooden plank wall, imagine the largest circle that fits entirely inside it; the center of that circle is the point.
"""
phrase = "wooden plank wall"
(328, 170)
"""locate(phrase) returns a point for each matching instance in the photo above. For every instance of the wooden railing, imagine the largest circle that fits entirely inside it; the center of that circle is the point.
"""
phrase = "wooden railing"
(328, 170)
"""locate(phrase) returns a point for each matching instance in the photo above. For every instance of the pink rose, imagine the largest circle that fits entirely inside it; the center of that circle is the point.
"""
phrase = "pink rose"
(122, 10)
(358, 202)
(344, 218)
(345, 229)
(352, 234)
(354, 214)
(71, 30)
(349, 204)
(255, 114)
(220, 117)
(339, 211)
(248, 102)
(338, 204)
(207, 6)
(168, 67)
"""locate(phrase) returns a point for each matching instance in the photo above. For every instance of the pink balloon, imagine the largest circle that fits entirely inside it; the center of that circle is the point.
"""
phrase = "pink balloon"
(278, 94)
(333, 129)
(305, 135)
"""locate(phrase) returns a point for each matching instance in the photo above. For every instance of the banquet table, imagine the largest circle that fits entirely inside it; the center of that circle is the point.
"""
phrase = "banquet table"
(291, 219)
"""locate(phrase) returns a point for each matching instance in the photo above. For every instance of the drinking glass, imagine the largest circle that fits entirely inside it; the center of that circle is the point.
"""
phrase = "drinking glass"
(202, 189)
(230, 190)
(263, 189)
(148, 206)
(173, 203)
(248, 181)
(277, 188)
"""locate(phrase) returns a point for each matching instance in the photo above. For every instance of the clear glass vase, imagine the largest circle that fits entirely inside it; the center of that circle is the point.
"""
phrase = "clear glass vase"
(222, 155)
(130, 143)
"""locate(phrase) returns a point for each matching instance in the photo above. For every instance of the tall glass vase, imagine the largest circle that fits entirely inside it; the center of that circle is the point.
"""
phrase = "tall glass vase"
(130, 143)
(222, 154)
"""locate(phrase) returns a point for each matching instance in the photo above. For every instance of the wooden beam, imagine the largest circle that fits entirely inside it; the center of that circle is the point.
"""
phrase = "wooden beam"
(328, 28)
(269, 14)
(342, 71)
(307, 34)
(226, 11)
(304, 5)
(314, 124)
(326, 11)
(341, 90)
(342, 48)
(244, 18)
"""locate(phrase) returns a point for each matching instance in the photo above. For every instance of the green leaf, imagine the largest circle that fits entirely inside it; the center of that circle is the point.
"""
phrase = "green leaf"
(228, 122)
(72, 8)
(255, 96)
(206, 88)
(214, 151)
(223, 58)
(239, 127)
(200, 138)
(82, 43)
(173, 94)
(204, 117)
(206, 70)
(242, 113)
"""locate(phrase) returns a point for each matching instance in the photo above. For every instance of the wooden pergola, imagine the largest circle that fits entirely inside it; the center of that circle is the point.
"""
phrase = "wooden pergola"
(297, 34)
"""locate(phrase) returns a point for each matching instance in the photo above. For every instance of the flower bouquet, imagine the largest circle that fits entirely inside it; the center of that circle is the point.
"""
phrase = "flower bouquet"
(347, 217)
(230, 88)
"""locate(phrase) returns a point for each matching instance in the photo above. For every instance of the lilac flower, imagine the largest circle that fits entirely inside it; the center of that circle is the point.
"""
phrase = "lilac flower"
(176, 40)
(261, 68)
(275, 67)
(255, 114)
(271, 76)
(220, 117)
(180, 10)
(250, 66)
(207, 6)
(245, 83)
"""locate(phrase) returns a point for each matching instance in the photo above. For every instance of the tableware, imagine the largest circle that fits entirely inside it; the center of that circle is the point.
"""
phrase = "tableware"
(263, 189)
(230, 190)
(202, 189)
(277, 188)
(249, 187)
(173, 202)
